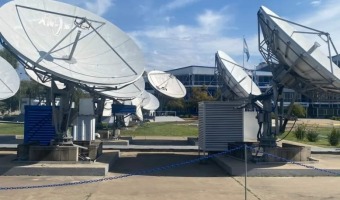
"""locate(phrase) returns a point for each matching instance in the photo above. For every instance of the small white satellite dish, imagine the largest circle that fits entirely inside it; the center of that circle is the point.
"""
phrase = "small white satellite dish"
(70, 42)
(139, 113)
(107, 111)
(235, 77)
(166, 84)
(126, 92)
(41, 77)
(9, 80)
(308, 67)
(138, 103)
(127, 119)
(141, 100)
(153, 103)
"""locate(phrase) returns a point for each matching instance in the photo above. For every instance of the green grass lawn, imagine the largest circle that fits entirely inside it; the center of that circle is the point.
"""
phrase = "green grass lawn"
(323, 137)
(11, 129)
(162, 129)
(187, 128)
(181, 129)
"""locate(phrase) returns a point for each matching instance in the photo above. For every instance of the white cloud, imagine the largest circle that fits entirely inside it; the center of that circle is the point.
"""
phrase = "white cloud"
(316, 3)
(211, 22)
(176, 4)
(325, 18)
(99, 7)
(168, 19)
(183, 45)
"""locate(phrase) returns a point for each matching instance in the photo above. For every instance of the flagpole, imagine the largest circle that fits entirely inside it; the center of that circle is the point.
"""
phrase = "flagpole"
(243, 51)
(245, 145)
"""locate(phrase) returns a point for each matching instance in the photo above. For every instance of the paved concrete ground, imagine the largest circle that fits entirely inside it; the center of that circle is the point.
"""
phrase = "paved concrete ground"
(324, 165)
(194, 181)
(167, 119)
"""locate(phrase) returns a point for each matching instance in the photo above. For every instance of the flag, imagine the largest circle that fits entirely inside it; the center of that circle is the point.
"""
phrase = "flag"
(245, 48)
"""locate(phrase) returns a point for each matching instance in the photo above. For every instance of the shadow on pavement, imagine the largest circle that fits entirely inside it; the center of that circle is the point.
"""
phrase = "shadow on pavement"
(159, 142)
(147, 161)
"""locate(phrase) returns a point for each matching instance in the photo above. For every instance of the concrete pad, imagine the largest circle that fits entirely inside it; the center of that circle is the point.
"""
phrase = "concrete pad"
(116, 142)
(236, 167)
(159, 140)
(167, 119)
(193, 141)
(152, 148)
(10, 167)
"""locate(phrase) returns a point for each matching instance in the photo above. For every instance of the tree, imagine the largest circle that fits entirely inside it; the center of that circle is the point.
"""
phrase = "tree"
(298, 110)
(198, 94)
(3, 107)
(175, 104)
(9, 57)
(28, 89)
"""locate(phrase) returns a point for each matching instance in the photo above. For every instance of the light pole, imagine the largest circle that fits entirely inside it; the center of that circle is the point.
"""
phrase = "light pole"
(19, 96)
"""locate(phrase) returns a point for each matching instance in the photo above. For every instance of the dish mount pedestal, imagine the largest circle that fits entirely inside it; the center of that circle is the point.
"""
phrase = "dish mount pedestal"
(62, 113)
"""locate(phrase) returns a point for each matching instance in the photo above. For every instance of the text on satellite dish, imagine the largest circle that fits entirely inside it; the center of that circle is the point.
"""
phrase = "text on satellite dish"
(56, 23)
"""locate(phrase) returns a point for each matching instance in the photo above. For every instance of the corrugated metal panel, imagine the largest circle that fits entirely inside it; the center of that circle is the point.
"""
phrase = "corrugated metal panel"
(84, 130)
(38, 125)
(220, 123)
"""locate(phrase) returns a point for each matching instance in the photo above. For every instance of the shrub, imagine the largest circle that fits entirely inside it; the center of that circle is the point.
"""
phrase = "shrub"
(335, 118)
(334, 137)
(300, 131)
(312, 134)
(298, 110)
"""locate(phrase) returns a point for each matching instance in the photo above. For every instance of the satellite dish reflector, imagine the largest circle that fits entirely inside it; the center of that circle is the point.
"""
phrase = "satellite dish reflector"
(153, 103)
(166, 84)
(141, 100)
(309, 68)
(235, 77)
(9, 80)
(107, 111)
(139, 113)
(127, 92)
(127, 119)
(41, 77)
(70, 42)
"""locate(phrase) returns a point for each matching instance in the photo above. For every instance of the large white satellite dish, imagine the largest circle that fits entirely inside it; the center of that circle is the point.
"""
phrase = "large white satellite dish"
(40, 77)
(153, 103)
(235, 77)
(9, 80)
(127, 92)
(167, 84)
(70, 42)
(308, 68)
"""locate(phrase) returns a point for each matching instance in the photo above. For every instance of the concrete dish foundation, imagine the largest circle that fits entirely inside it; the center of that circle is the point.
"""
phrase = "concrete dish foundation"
(85, 149)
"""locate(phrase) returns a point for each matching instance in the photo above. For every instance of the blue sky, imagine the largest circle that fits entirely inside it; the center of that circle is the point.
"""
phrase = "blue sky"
(178, 33)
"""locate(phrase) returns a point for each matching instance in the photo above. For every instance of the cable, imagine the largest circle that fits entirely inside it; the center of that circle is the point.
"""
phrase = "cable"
(288, 132)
